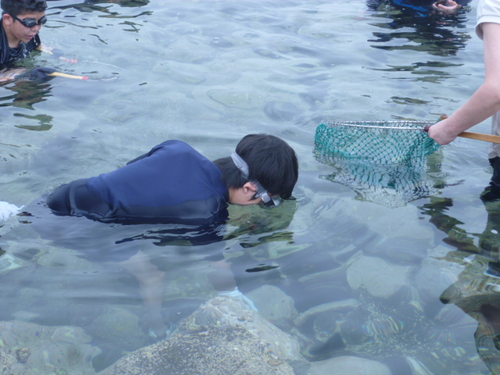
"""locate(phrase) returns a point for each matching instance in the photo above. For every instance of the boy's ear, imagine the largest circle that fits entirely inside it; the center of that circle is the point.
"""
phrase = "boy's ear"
(7, 19)
(249, 187)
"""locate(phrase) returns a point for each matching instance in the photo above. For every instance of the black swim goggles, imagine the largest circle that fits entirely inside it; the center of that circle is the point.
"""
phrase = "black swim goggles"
(31, 22)
(261, 191)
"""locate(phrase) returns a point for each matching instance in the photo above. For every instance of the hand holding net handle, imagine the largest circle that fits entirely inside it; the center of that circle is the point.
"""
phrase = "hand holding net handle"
(478, 136)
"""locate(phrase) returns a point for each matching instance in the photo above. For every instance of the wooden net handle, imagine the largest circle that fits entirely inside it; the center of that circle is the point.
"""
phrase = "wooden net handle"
(481, 137)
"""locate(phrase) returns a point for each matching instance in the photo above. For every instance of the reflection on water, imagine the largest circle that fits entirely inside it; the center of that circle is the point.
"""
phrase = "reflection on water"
(25, 94)
(408, 286)
(97, 5)
(415, 26)
(390, 186)
(476, 290)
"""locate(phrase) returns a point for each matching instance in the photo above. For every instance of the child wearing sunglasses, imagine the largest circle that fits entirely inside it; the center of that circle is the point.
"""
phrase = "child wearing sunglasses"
(19, 27)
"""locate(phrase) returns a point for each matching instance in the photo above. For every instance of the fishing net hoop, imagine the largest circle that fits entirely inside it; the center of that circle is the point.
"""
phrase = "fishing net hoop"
(376, 142)
(382, 161)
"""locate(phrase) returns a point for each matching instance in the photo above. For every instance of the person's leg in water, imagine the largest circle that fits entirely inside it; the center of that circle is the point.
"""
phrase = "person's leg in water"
(489, 241)
(150, 279)
(492, 191)
(222, 279)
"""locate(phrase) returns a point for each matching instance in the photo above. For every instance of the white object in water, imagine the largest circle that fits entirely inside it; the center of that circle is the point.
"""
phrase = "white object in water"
(7, 210)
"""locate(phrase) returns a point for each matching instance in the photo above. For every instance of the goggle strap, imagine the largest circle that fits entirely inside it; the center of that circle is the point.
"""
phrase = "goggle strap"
(245, 172)
(240, 164)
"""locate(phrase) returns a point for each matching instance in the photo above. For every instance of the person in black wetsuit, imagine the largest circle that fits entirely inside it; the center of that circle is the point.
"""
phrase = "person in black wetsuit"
(173, 183)
(19, 27)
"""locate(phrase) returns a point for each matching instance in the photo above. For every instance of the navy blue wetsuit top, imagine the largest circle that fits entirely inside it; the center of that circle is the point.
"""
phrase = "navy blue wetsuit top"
(173, 183)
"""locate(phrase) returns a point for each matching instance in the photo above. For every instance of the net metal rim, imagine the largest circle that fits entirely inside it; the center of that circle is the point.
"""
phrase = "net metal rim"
(383, 124)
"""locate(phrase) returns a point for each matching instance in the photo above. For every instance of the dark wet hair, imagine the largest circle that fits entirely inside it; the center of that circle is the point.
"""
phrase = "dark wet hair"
(271, 161)
(20, 7)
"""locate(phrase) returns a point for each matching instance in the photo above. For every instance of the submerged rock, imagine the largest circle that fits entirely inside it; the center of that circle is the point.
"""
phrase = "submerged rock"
(224, 336)
(349, 365)
(378, 277)
(477, 285)
(434, 277)
(27, 348)
(341, 306)
(395, 221)
(274, 304)
(326, 320)
(119, 325)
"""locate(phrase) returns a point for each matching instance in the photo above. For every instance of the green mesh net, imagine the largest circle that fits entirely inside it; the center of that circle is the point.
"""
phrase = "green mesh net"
(378, 142)
(390, 186)
(382, 161)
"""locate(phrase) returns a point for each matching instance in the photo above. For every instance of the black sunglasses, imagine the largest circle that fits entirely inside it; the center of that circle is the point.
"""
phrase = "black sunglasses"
(31, 22)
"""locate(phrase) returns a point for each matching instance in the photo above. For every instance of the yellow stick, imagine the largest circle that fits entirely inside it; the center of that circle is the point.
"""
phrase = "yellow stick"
(481, 137)
(58, 74)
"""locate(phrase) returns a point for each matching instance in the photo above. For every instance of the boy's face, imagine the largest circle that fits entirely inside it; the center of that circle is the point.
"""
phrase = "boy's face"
(245, 195)
(15, 29)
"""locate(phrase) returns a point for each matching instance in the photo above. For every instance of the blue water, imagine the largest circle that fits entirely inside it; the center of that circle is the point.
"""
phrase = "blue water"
(209, 72)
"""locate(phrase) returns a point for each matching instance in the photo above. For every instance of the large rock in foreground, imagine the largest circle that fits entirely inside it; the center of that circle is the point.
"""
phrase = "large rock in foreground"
(224, 336)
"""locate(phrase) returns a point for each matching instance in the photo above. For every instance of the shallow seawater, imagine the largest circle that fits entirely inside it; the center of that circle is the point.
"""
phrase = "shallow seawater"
(379, 257)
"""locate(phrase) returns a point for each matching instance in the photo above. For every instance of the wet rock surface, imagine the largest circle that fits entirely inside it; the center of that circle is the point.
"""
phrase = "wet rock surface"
(349, 365)
(224, 336)
(28, 348)
(273, 304)
(118, 325)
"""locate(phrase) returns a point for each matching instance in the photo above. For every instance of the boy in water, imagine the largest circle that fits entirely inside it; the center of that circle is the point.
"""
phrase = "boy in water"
(173, 183)
(19, 27)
